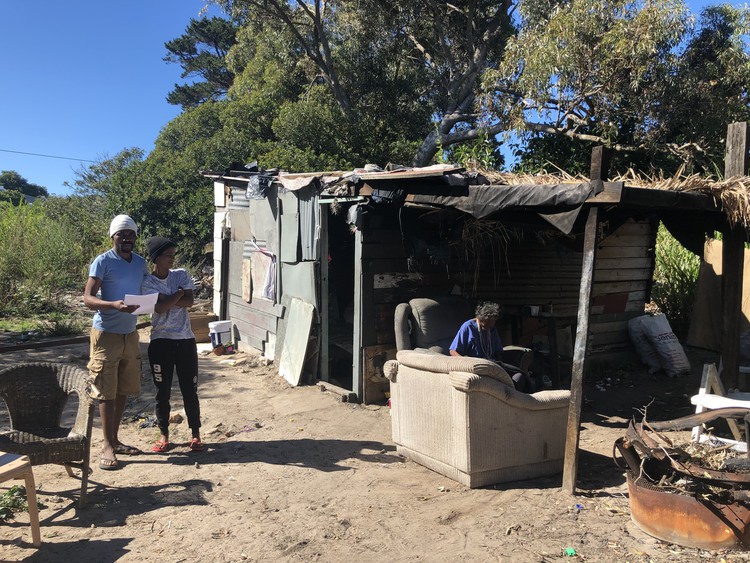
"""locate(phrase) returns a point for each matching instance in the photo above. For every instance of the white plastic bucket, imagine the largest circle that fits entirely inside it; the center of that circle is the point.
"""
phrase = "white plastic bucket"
(220, 332)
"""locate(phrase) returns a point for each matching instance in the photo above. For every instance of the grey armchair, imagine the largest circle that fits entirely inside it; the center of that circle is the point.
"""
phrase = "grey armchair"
(430, 323)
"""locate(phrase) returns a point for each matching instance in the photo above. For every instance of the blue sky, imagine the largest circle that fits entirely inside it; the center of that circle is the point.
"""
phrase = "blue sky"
(85, 79)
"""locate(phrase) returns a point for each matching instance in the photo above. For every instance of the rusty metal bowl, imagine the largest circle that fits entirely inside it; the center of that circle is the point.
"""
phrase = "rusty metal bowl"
(688, 520)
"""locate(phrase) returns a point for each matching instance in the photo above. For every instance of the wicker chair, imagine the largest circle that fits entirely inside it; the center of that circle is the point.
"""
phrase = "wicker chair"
(36, 394)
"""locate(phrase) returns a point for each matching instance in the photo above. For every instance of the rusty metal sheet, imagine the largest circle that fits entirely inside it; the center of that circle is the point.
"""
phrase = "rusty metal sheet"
(674, 497)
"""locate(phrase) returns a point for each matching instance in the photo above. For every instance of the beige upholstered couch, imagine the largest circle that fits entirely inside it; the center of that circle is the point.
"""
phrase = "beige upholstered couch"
(463, 418)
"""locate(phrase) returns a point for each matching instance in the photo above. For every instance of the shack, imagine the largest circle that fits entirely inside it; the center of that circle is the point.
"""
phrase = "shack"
(353, 245)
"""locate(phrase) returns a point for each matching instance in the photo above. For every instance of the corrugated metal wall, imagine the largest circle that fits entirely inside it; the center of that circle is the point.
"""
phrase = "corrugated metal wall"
(254, 226)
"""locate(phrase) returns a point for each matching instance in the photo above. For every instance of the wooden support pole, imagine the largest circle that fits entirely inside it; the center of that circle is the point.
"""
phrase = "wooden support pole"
(325, 317)
(600, 161)
(732, 260)
(570, 467)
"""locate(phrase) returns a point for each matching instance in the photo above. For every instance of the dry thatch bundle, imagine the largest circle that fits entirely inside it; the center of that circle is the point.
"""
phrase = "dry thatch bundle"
(732, 194)
(509, 178)
(483, 238)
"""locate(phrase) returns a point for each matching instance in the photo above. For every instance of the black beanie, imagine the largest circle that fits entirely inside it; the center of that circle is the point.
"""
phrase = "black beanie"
(155, 246)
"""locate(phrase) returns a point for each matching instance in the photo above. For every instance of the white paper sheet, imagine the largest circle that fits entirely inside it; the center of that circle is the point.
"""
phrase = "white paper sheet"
(145, 303)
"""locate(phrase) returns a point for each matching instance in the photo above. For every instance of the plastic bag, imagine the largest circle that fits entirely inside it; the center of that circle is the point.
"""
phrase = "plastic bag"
(257, 186)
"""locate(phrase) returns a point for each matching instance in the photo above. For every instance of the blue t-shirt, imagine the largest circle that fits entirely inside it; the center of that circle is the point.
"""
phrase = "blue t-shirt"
(470, 342)
(119, 277)
(175, 323)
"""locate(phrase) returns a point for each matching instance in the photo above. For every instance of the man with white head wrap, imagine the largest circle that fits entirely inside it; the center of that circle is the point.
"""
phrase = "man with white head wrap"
(115, 364)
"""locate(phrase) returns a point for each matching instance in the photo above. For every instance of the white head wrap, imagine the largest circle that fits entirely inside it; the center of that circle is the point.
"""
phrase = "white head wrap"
(122, 223)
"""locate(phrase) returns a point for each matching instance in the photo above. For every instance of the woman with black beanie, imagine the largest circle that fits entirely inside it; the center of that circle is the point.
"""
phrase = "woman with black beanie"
(172, 344)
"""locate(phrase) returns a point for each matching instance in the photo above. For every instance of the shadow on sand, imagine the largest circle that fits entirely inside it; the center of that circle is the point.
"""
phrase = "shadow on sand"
(110, 506)
(321, 454)
(80, 551)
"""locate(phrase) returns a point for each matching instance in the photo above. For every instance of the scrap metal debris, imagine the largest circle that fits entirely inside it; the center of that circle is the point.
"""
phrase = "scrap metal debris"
(647, 449)
(692, 494)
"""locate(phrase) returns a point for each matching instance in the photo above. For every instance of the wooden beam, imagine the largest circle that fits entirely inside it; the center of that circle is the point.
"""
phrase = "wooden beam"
(600, 160)
(324, 368)
(57, 342)
(732, 260)
(612, 193)
(600, 157)
(361, 300)
(570, 467)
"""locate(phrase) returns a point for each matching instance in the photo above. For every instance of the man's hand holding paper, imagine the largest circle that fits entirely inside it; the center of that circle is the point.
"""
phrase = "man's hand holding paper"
(145, 303)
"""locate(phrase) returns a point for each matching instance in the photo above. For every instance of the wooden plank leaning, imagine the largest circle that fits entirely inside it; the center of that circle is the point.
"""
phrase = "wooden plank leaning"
(570, 466)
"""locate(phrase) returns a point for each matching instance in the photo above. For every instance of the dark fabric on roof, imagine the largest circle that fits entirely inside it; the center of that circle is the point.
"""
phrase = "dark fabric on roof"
(557, 203)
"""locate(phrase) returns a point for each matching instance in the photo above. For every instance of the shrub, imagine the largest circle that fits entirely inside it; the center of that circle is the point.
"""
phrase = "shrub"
(38, 257)
(675, 278)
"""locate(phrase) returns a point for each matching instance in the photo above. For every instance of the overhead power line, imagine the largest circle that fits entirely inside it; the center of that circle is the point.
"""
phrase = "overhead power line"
(47, 155)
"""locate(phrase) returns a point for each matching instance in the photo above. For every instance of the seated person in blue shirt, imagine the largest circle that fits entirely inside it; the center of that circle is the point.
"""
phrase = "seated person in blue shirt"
(478, 338)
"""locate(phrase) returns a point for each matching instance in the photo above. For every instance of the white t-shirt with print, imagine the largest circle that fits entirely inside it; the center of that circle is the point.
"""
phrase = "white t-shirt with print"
(175, 323)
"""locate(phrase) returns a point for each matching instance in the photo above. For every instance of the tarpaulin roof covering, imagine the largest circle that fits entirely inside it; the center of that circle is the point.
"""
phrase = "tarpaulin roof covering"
(448, 186)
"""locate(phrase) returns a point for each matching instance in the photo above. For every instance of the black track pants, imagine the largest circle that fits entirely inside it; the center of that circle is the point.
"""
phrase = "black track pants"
(165, 355)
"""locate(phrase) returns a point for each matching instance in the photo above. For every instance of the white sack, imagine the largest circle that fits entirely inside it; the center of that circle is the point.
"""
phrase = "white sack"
(672, 357)
(643, 347)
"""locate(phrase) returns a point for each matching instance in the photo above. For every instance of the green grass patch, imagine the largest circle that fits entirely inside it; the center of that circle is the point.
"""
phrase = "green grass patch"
(12, 501)
(54, 324)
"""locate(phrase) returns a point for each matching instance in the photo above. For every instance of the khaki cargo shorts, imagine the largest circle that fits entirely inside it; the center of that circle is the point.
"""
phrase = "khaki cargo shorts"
(115, 364)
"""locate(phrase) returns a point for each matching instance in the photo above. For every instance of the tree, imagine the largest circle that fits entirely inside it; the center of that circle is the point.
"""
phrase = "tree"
(280, 106)
(201, 52)
(607, 72)
(634, 77)
(16, 186)
(709, 90)
(428, 59)
(108, 177)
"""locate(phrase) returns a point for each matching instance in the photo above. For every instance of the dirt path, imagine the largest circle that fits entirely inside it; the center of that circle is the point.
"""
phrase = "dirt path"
(293, 474)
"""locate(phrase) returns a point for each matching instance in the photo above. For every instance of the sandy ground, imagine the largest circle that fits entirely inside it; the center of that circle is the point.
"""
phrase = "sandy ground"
(294, 474)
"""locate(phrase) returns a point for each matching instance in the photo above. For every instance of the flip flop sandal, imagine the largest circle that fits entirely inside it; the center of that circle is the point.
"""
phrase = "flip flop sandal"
(160, 447)
(196, 445)
(127, 450)
(108, 464)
